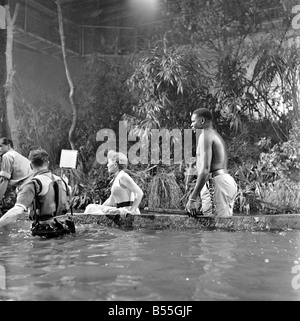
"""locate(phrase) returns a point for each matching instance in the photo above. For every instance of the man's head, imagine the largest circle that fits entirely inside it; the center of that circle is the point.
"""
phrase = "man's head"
(201, 118)
(5, 145)
(39, 159)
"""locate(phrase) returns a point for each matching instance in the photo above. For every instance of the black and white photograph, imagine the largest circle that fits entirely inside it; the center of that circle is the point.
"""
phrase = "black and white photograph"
(149, 154)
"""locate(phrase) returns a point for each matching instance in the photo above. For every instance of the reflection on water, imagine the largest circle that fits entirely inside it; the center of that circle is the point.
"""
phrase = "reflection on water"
(108, 264)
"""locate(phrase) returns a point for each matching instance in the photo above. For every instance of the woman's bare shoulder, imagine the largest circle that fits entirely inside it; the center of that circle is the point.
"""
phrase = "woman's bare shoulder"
(124, 177)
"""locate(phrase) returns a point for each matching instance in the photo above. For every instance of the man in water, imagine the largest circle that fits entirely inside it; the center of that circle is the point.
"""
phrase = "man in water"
(46, 196)
(211, 163)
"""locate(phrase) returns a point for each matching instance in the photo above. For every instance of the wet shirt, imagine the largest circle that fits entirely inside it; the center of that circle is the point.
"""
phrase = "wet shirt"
(26, 195)
(29, 190)
(15, 167)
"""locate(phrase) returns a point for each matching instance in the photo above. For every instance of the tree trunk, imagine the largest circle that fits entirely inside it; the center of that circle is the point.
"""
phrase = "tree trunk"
(3, 114)
(12, 121)
(296, 94)
(4, 129)
(72, 139)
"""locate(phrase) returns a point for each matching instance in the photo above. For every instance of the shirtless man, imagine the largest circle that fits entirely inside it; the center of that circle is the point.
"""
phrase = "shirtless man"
(211, 162)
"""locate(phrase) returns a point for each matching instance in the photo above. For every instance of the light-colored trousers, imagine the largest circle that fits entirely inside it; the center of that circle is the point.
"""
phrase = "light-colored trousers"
(222, 201)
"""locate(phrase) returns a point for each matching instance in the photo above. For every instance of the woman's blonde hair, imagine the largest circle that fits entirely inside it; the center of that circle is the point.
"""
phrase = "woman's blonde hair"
(119, 158)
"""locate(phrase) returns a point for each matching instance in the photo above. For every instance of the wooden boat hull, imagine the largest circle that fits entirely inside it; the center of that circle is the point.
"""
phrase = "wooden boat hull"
(179, 220)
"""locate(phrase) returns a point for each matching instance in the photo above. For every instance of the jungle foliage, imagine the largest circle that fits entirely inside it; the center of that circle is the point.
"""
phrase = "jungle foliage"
(207, 54)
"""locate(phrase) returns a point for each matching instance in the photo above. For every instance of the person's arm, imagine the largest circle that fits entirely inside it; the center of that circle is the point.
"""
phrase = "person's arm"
(204, 163)
(25, 198)
(11, 215)
(128, 182)
(5, 173)
(109, 202)
(3, 186)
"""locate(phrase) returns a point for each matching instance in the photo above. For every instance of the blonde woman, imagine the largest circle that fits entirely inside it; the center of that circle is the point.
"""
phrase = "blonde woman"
(125, 196)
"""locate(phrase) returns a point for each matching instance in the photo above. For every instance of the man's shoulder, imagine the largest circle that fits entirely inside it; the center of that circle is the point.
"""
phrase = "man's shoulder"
(59, 179)
(56, 177)
(13, 154)
(28, 184)
(43, 180)
(208, 134)
(10, 154)
(211, 134)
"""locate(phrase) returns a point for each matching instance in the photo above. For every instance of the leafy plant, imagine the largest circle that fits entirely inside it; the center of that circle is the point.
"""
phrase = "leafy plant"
(44, 124)
(164, 192)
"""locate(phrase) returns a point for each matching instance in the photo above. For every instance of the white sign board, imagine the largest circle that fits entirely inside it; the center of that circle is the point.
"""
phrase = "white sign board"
(68, 158)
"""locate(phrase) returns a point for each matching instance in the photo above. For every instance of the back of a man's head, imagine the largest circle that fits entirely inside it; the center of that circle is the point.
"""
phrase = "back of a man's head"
(39, 158)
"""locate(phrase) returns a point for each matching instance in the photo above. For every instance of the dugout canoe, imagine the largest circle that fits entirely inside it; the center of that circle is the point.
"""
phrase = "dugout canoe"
(176, 219)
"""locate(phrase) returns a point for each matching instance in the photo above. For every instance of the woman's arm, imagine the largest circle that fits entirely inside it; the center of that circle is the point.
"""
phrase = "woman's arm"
(109, 202)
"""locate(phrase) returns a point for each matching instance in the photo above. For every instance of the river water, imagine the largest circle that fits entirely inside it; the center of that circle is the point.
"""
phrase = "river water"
(115, 264)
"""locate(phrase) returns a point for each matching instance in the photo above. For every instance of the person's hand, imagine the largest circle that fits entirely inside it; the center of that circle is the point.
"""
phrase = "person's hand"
(191, 207)
(124, 212)
(134, 211)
